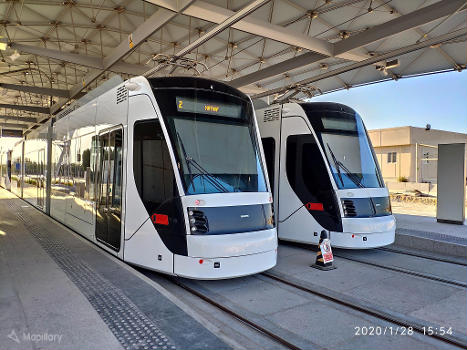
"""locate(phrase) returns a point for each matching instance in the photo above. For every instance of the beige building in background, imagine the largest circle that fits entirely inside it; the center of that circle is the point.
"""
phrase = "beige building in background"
(399, 150)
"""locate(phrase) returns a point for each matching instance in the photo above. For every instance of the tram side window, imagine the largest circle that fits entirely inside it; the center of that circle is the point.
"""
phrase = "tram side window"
(307, 173)
(80, 169)
(269, 147)
(152, 168)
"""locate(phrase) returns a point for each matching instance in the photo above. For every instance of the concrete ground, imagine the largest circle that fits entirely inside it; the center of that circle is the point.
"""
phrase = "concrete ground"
(430, 301)
(313, 322)
(58, 291)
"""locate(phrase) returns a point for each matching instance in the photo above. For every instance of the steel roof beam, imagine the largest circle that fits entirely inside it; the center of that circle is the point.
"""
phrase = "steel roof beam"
(228, 22)
(236, 17)
(409, 21)
(35, 109)
(13, 126)
(138, 36)
(87, 61)
(36, 90)
(398, 25)
(217, 14)
(276, 69)
(82, 60)
(19, 119)
(388, 55)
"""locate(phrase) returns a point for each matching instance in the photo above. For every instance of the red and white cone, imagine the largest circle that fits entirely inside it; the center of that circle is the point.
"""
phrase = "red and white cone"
(324, 257)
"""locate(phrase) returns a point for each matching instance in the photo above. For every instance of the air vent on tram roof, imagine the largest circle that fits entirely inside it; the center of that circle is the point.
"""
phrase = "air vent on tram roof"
(271, 115)
(122, 94)
(349, 208)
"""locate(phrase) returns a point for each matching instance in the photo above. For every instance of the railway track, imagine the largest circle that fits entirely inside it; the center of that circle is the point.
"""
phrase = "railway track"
(366, 308)
(252, 324)
(329, 295)
(405, 271)
(423, 255)
(456, 339)
(424, 275)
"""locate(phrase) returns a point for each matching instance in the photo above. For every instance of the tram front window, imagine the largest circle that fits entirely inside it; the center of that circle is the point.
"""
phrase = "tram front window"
(214, 141)
(345, 142)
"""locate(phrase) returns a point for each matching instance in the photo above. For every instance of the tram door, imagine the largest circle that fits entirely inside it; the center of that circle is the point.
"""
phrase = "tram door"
(109, 185)
(41, 178)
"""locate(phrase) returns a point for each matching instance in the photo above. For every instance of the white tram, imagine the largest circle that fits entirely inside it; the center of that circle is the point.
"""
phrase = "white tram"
(164, 173)
(325, 175)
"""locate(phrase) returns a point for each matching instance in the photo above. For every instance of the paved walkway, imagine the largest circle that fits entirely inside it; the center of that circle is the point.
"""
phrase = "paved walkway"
(428, 227)
(58, 291)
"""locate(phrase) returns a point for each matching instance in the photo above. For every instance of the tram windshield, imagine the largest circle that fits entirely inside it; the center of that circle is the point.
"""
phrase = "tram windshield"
(214, 140)
(348, 150)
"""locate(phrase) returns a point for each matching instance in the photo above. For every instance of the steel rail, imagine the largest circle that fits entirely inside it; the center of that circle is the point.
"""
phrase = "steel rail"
(422, 255)
(236, 315)
(366, 308)
(406, 271)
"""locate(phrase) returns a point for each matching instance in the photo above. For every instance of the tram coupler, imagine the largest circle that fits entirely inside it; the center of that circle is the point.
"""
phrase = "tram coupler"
(324, 256)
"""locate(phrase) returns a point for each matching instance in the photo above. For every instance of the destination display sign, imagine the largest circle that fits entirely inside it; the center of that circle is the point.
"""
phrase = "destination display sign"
(190, 105)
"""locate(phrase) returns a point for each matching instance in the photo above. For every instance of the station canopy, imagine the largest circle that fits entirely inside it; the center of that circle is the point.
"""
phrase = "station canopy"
(51, 51)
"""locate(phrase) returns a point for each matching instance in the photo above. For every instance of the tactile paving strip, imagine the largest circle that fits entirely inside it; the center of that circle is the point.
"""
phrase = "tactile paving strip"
(131, 327)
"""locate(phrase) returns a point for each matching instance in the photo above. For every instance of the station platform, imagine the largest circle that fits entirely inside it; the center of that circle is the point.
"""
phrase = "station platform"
(58, 291)
(426, 234)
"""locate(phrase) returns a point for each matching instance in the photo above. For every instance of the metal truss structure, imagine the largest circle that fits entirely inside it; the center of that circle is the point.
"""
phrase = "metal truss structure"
(51, 51)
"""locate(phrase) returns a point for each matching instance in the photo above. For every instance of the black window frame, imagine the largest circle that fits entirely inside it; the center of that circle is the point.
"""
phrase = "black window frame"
(270, 159)
(164, 152)
(317, 188)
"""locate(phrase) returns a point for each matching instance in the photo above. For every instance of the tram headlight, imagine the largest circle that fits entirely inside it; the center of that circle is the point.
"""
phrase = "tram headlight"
(198, 221)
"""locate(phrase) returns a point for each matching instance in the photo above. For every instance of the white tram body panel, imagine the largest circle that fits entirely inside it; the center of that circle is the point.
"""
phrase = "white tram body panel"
(307, 195)
(118, 177)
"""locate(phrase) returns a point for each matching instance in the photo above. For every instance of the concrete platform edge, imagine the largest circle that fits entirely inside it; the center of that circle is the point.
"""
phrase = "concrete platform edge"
(430, 245)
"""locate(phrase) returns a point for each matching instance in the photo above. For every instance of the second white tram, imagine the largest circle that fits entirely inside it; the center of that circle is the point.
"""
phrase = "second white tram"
(325, 175)
(164, 173)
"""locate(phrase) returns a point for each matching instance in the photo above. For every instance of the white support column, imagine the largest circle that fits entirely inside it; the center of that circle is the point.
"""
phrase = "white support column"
(450, 207)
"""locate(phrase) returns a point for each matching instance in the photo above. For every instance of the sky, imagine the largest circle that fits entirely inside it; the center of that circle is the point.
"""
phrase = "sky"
(437, 99)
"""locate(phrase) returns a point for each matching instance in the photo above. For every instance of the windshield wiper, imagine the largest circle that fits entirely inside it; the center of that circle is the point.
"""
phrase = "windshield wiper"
(188, 163)
(210, 177)
(191, 162)
(338, 164)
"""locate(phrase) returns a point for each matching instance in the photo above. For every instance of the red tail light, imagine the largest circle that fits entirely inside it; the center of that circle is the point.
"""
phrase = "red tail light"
(160, 219)
(315, 206)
